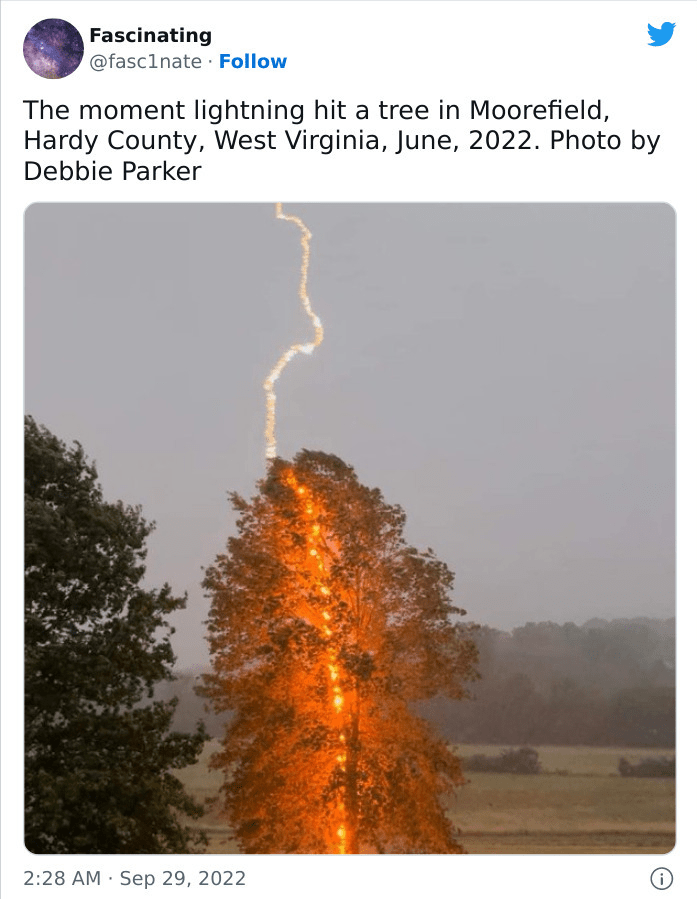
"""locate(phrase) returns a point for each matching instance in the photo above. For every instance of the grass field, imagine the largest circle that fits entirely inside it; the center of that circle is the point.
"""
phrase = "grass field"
(579, 804)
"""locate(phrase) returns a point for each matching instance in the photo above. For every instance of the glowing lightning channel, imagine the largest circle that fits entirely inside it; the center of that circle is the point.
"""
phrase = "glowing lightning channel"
(306, 348)
(338, 699)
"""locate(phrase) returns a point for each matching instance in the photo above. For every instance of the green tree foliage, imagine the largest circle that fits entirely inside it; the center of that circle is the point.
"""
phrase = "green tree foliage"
(98, 758)
(325, 627)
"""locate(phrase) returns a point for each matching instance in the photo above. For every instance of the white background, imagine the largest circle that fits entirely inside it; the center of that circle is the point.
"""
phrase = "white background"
(362, 52)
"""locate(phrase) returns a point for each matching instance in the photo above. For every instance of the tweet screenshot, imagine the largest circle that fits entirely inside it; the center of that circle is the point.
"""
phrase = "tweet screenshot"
(348, 441)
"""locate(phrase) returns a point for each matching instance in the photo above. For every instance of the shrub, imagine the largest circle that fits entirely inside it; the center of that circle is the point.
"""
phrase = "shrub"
(509, 761)
(662, 766)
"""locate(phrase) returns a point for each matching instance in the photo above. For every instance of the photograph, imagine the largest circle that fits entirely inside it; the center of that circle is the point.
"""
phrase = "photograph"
(349, 528)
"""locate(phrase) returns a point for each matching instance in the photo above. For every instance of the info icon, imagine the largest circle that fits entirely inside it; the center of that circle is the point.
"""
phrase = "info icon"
(53, 48)
(662, 878)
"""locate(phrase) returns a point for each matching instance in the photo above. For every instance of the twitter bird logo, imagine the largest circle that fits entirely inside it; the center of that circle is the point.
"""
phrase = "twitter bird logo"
(661, 36)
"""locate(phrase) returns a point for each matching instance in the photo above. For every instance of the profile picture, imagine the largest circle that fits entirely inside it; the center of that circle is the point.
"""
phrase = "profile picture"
(53, 48)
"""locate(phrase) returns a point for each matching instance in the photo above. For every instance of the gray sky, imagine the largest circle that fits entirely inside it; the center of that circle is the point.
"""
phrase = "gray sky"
(503, 372)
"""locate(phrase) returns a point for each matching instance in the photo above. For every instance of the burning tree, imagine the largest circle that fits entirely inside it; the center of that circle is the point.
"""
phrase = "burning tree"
(325, 626)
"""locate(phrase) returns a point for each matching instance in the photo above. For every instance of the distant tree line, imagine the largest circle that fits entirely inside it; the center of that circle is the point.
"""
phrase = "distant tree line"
(599, 684)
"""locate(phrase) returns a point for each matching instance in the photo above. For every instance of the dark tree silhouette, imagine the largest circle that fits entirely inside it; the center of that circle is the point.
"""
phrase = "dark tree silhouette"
(325, 627)
(98, 760)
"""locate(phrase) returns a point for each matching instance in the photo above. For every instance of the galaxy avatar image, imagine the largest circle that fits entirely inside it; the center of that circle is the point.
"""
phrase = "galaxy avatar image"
(53, 48)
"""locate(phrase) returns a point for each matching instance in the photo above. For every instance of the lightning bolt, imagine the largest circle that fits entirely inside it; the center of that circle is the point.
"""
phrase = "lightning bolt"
(296, 348)
(316, 565)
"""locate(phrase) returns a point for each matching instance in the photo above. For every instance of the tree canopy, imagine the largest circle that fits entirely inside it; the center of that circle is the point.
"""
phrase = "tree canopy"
(325, 627)
(98, 757)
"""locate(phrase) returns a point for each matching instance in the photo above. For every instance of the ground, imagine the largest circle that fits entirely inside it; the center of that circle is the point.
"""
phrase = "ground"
(579, 804)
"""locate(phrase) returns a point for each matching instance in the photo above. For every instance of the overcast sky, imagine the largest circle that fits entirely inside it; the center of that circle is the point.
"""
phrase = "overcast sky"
(503, 372)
